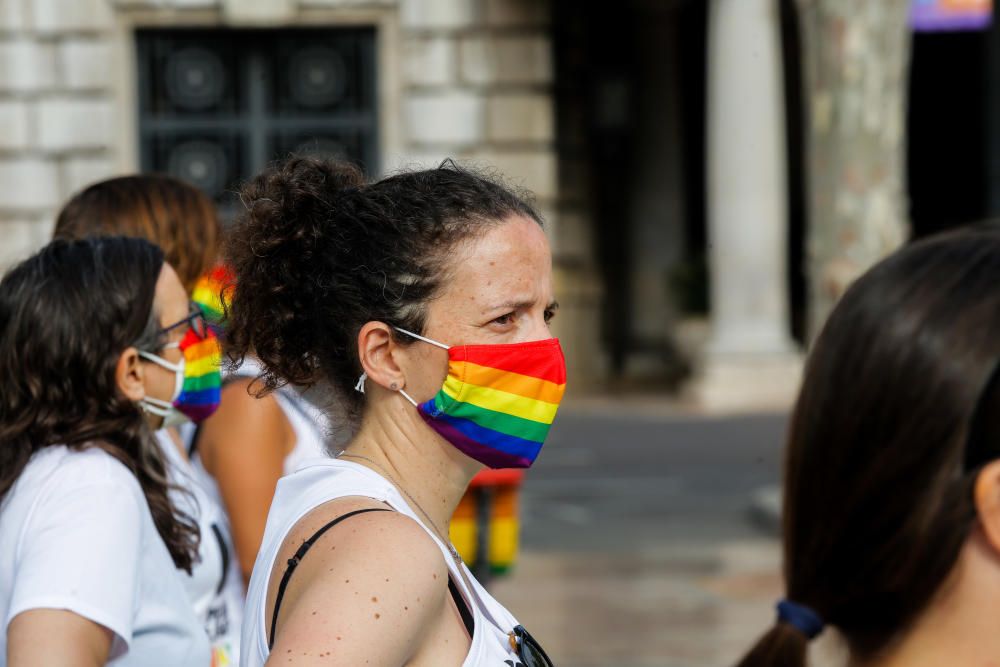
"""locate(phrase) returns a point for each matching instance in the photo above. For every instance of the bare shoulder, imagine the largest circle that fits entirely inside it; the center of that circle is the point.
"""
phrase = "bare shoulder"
(376, 578)
(239, 402)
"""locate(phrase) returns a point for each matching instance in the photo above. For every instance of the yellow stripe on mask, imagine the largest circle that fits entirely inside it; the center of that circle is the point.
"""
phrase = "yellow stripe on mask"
(512, 383)
(500, 401)
(203, 366)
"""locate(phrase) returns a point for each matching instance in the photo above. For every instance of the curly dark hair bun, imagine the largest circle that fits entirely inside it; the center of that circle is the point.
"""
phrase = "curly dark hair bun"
(319, 252)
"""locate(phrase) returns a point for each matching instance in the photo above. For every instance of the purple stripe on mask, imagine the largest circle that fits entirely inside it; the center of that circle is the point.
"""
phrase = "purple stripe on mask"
(487, 455)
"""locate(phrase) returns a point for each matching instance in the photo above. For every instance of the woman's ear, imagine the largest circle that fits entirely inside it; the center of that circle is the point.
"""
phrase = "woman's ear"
(130, 375)
(376, 350)
(987, 497)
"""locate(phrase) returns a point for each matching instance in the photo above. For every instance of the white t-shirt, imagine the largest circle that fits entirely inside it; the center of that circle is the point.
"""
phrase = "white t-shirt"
(215, 585)
(320, 481)
(76, 534)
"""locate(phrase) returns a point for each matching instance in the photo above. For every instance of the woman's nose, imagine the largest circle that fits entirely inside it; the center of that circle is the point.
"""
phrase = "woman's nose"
(538, 329)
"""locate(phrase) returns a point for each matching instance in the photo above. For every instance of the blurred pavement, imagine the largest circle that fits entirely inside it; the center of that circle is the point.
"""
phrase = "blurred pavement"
(640, 545)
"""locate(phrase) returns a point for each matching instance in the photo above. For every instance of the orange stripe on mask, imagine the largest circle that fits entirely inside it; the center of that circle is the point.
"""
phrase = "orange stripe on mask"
(510, 382)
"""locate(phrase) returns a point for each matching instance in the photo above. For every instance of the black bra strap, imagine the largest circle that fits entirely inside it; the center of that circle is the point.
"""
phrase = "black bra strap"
(463, 607)
(294, 561)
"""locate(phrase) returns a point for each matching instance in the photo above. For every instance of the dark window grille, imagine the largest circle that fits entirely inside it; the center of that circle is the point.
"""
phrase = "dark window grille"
(216, 106)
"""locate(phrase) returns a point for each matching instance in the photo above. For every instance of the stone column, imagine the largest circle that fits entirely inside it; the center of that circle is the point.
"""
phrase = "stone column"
(747, 207)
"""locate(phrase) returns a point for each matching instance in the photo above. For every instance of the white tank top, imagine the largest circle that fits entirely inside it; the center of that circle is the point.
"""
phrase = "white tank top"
(308, 422)
(321, 481)
(215, 585)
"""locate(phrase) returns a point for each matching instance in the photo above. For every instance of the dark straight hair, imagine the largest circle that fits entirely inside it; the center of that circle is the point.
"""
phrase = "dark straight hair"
(173, 214)
(66, 315)
(878, 494)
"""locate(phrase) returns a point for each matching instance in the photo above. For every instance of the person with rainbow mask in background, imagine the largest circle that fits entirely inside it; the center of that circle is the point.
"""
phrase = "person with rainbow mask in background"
(227, 449)
(95, 548)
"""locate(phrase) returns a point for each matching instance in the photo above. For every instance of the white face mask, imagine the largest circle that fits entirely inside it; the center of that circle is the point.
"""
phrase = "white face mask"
(155, 406)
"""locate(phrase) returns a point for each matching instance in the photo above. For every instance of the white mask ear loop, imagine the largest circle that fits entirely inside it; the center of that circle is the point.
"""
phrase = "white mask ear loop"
(419, 337)
(360, 387)
(178, 371)
(408, 397)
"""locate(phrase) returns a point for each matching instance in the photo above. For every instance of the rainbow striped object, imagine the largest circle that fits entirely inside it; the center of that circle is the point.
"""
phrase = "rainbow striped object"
(208, 293)
(202, 387)
(488, 516)
(498, 401)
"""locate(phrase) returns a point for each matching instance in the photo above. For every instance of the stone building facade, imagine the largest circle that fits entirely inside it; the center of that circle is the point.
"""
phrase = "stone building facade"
(456, 79)
(533, 88)
(466, 79)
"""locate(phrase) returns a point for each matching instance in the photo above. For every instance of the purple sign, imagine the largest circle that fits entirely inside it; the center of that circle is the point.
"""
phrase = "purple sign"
(946, 15)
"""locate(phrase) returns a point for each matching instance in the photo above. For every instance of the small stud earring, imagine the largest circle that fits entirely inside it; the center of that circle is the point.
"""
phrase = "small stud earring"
(394, 386)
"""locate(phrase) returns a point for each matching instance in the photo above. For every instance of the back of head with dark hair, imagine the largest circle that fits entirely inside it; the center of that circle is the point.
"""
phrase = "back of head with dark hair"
(319, 253)
(878, 499)
(174, 215)
(66, 315)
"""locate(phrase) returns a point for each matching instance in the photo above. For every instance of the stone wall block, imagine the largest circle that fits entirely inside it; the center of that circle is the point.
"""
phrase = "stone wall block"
(79, 172)
(517, 13)
(531, 169)
(13, 125)
(429, 61)
(61, 16)
(348, 3)
(29, 184)
(523, 59)
(450, 118)
(21, 238)
(12, 15)
(195, 4)
(438, 14)
(26, 66)
(258, 11)
(67, 124)
(519, 117)
(85, 64)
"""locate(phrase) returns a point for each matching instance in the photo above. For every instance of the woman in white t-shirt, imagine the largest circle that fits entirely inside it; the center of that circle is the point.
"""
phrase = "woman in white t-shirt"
(360, 285)
(238, 452)
(91, 543)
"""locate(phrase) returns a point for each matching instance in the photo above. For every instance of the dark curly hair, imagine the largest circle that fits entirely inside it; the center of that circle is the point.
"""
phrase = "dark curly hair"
(319, 253)
(66, 315)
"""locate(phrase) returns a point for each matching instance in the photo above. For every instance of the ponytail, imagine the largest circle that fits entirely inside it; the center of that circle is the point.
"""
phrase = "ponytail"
(877, 502)
(781, 646)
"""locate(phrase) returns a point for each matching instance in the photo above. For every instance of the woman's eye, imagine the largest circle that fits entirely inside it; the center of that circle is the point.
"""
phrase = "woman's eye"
(549, 314)
(504, 319)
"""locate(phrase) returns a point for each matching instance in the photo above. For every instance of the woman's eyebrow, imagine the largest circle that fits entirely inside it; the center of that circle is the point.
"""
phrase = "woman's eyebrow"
(518, 305)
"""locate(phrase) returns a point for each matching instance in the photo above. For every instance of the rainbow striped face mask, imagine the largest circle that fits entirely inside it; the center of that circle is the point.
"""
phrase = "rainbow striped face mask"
(202, 390)
(498, 401)
(198, 380)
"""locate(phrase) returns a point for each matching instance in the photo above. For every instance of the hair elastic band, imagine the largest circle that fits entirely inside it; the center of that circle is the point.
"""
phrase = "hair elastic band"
(800, 617)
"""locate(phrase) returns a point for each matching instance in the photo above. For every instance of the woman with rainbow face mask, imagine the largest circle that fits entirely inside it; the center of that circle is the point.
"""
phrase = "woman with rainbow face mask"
(424, 300)
(94, 549)
(226, 448)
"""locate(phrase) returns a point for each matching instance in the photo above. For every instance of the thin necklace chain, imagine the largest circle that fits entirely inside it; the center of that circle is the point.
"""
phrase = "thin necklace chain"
(447, 542)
